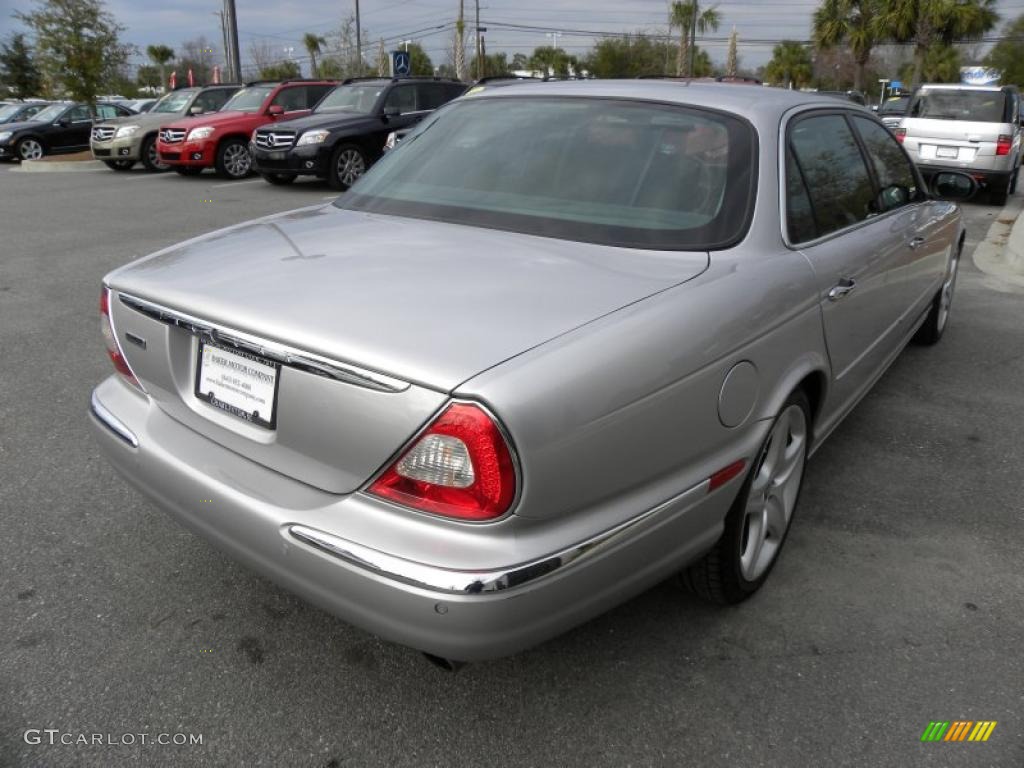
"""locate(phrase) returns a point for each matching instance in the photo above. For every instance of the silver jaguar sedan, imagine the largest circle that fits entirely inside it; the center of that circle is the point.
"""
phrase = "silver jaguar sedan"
(560, 344)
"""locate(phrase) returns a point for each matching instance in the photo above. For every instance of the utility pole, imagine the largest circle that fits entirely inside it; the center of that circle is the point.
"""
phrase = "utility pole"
(479, 61)
(227, 50)
(693, 40)
(236, 63)
(359, 42)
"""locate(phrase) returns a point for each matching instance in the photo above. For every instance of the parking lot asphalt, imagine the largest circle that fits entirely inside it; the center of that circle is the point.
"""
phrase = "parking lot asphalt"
(897, 601)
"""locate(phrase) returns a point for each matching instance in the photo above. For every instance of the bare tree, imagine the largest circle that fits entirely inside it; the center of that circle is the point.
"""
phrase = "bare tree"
(459, 44)
(262, 54)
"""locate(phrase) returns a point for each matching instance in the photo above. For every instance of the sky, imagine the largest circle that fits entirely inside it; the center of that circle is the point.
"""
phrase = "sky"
(282, 23)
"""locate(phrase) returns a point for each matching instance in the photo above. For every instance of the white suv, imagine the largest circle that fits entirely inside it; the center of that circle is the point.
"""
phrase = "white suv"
(968, 128)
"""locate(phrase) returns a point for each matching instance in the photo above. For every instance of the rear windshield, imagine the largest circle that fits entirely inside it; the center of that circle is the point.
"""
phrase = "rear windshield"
(960, 104)
(894, 106)
(174, 101)
(623, 173)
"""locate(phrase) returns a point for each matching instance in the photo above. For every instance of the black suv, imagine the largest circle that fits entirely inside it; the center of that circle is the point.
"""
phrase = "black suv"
(347, 130)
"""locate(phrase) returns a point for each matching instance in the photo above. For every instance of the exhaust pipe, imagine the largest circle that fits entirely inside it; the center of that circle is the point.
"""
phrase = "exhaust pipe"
(448, 665)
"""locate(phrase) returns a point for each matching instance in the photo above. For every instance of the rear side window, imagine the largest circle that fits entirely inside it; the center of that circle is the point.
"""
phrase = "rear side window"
(896, 178)
(80, 114)
(433, 95)
(316, 92)
(961, 104)
(833, 167)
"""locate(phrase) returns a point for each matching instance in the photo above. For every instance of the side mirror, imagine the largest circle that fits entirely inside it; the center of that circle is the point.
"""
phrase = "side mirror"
(392, 111)
(275, 110)
(953, 185)
(195, 110)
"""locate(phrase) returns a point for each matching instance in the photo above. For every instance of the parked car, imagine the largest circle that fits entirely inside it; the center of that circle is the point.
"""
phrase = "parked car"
(968, 128)
(891, 111)
(20, 111)
(221, 141)
(139, 105)
(58, 128)
(541, 358)
(347, 131)
(123, 142)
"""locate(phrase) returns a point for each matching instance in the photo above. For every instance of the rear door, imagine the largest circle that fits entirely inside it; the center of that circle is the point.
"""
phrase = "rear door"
(73, 129)
(835, 219)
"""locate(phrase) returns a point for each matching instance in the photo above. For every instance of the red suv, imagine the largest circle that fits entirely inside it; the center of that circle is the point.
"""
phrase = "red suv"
(221, 140)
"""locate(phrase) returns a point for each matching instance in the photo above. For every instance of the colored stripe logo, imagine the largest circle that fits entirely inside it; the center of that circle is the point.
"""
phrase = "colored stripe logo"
(958, 730)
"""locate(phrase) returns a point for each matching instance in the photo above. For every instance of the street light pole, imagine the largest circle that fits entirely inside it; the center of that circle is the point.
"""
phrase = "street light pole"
(359, 40)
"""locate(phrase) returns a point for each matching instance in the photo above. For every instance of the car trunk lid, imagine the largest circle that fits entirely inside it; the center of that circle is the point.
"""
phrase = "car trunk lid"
(398, 311)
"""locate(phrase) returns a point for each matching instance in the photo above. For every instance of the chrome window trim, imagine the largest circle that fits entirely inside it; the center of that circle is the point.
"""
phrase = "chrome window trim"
(111, 422)
(282, 353)
(486, 581)
(787, 118)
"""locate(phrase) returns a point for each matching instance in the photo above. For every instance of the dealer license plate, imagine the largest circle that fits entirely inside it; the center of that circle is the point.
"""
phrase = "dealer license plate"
(239, 382)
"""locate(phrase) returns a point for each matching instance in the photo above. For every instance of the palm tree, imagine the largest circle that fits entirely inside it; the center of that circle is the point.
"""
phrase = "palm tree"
(732, 58)
(383, 68)
(460, 43)
(687, 15)
(853, 23)
(313, 42)
(160, 55)
(790, 64)
(925, 22)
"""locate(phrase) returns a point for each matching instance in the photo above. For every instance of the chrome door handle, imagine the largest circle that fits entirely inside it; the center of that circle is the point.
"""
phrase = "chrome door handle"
(914, 242)
(842, 288)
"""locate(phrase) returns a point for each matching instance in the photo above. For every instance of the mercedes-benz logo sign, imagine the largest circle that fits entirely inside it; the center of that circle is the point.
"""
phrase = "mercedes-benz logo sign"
(271, 139)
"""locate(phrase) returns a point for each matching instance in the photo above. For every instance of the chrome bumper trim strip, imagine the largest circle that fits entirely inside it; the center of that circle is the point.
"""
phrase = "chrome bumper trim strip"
(113, 423)
(282, 353)
(462, 582)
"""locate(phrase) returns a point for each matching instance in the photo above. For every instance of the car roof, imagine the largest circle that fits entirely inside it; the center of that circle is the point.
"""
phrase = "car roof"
(963, 87)
(739, 98)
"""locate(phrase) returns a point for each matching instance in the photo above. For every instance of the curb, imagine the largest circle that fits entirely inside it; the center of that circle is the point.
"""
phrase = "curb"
(1001, 253)
(48, 166)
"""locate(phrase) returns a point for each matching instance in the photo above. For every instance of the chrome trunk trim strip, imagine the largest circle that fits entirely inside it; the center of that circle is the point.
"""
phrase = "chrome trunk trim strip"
(282, 353)
(111, 422)
(462, 582)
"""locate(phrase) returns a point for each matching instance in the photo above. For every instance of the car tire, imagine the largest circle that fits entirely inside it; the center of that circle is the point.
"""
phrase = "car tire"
(278, 179)
(29, 148)
(187, 170)
(150, 157)
(739, 563)
(998, 194)
(348, 163)
(119, 165)
(938, 315)
(233, 159)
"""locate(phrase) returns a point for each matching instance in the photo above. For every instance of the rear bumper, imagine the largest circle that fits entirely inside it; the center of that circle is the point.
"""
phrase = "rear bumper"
(296, 536)
(310, 160)
(984, 176)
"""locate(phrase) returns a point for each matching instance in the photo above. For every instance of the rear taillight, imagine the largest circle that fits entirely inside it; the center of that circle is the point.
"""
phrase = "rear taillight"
(900, 134)
(113, 348)
(1003, 144)
(459, 467)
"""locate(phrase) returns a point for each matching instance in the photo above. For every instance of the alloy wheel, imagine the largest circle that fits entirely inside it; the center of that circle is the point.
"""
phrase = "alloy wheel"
(30, 149)
(773, 493)
(350, 166)
(946, 297)
(154, 157)
(237, 160)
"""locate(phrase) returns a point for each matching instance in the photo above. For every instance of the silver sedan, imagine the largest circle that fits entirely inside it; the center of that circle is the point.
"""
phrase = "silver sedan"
(563, 342)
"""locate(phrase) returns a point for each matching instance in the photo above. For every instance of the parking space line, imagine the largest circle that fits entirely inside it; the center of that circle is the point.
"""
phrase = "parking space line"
(237, 183)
